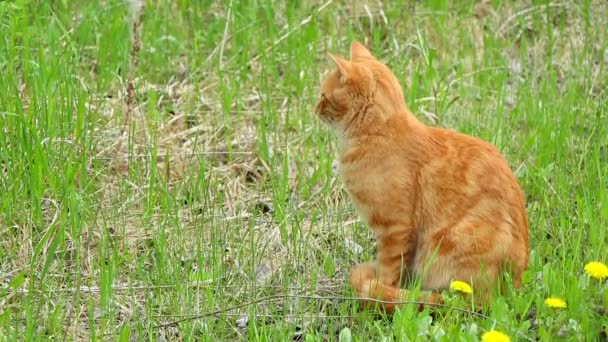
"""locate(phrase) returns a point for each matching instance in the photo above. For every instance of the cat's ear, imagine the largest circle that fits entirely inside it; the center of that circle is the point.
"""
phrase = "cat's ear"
(343, 65)
(357, 50)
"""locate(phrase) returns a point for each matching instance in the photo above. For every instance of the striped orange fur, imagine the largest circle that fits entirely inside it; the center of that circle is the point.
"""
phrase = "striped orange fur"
(443, 205)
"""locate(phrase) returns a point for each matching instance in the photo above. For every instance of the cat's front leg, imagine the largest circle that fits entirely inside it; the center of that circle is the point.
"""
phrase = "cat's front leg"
(396, 249)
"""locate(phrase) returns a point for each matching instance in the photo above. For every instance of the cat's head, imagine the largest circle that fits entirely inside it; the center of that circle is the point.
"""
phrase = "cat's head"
(356, 85)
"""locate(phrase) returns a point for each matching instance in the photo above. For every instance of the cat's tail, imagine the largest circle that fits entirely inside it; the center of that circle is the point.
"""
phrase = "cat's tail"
(364, 281)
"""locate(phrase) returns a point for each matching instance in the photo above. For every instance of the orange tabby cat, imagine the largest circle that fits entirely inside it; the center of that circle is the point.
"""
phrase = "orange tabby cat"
(443, 205)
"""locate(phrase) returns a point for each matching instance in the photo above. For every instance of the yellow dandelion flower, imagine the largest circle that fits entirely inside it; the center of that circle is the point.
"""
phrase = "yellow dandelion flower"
(597, 270)
(495, 336)
(554, 302)
(461, 286)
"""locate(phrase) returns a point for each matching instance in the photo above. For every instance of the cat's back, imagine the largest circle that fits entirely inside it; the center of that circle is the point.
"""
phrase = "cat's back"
(463, 168)
(465, 153)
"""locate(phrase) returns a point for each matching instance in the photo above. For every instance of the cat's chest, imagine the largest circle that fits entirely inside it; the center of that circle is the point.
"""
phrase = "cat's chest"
(379, 185)
(366, 184)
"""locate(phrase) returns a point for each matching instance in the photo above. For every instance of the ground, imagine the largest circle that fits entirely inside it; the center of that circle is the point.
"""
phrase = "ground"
(163, 175)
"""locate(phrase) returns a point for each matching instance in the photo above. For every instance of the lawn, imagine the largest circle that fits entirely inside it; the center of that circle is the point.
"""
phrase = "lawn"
(163, 175)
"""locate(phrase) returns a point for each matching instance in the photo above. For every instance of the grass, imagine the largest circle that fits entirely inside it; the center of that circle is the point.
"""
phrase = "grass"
(164, 163)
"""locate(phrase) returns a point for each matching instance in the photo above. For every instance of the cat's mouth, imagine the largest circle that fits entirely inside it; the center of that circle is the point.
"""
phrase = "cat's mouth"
(320, 109)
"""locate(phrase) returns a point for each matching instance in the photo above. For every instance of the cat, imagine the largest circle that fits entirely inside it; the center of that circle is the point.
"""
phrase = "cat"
(442, 205)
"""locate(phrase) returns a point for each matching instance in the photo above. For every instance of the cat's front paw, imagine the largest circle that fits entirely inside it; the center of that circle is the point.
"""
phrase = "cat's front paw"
(360, 277)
